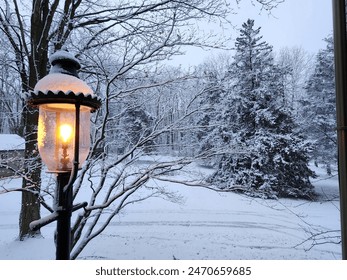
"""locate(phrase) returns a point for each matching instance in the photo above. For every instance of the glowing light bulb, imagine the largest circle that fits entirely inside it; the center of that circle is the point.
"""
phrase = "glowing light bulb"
(65, 132)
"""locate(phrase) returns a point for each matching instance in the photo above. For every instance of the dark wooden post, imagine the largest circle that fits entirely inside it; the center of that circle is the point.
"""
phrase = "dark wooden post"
(340, 43)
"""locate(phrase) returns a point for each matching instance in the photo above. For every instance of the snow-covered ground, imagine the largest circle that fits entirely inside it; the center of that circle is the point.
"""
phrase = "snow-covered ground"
(208, 225)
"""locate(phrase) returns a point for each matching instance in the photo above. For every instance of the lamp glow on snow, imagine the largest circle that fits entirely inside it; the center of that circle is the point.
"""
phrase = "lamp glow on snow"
(62, 99)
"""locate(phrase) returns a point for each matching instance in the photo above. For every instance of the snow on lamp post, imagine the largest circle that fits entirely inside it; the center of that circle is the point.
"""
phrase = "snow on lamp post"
(65, 103)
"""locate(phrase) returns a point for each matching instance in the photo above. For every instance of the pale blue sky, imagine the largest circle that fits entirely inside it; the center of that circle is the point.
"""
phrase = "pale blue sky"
(302, 23)
(298, 23)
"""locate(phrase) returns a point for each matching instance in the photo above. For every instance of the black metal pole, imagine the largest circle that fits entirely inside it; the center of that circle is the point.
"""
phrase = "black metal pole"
(64, 210)
(64, 198)
(340, 45)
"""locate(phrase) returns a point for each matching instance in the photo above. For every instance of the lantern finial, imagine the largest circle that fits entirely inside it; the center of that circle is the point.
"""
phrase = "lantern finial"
(64, 62)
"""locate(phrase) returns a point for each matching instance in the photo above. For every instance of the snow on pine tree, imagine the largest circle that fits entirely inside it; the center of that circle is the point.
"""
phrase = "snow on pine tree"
(320, 108)
(135, 127)
(274, 158)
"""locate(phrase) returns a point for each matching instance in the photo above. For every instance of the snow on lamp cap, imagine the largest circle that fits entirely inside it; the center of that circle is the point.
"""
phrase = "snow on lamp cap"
(62, 84)
(56, 82)
(63, 75)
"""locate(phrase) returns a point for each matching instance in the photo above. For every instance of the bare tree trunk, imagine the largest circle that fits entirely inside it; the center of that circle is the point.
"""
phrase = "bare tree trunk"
(30, 207)
(38, 60)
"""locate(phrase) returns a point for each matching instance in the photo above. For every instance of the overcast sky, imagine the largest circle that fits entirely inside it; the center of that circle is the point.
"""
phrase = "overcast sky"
(302, 23)
(297, 22)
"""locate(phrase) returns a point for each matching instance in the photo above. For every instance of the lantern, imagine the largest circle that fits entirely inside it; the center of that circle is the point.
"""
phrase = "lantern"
(65, 103)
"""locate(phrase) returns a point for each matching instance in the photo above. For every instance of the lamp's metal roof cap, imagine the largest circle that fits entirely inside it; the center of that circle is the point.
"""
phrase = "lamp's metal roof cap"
(62, 84)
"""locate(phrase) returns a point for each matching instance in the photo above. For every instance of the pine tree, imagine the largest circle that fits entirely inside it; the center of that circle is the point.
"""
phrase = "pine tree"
(319, 107)
(274, 160)
(135, 127)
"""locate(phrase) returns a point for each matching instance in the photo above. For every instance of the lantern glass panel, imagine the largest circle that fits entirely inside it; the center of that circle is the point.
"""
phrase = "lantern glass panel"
(56, 135)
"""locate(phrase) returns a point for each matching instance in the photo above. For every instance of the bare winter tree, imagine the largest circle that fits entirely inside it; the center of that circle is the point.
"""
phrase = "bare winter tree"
(117, 44)
(10, 104)
(124, 178)
(299, 65)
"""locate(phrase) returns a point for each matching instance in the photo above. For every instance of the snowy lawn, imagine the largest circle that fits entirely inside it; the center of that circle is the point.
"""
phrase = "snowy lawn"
(207, 225)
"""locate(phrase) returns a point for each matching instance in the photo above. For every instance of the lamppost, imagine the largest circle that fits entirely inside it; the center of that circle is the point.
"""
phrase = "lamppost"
(65, 103)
